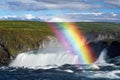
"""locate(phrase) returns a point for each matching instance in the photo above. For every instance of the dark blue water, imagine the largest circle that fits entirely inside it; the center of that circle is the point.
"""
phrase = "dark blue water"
(40, 66)
(64, 72)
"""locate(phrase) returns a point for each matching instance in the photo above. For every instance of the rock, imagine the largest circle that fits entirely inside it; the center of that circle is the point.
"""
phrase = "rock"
(4, 56)
(98, 46)
(114, 49)
(94, 36)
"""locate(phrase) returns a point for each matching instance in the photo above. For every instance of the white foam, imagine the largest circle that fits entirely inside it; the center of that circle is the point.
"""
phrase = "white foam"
(94, 66)
(102, 57)
(106, 74)
(43, 57)
(69, 71)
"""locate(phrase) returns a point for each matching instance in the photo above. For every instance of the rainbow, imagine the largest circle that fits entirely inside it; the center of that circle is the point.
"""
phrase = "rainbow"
(74, 41)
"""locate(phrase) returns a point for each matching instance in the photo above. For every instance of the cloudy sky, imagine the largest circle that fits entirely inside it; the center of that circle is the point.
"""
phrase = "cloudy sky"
(61, 10)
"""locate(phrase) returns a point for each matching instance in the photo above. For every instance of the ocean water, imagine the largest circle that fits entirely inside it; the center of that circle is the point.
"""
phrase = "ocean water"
(57, 64)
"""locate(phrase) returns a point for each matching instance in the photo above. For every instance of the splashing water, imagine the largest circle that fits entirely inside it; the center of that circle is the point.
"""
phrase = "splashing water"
(47, 56)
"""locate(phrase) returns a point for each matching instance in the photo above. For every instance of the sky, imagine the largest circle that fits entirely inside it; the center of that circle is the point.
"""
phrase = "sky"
(61, 10)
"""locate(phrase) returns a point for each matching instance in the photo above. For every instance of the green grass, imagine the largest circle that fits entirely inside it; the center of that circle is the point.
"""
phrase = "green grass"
(84, 26)
(14, 39)
(22, 24)
(99, 27)
(20, 35)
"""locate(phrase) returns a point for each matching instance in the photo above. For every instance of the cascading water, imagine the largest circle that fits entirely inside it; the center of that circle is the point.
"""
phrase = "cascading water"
(47, 56)
(102, 59)
(52, 53)
(46, 59)
(50, 56)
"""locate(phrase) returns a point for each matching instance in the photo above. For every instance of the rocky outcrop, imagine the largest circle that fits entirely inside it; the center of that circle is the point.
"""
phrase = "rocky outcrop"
(4, 55)
(114, 49)
(9, 50)
(10, 47)
(95, 36)
(98, 46)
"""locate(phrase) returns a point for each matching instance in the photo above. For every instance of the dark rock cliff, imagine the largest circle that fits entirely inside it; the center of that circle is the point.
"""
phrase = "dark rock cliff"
(95, 36)
(97, 41)
(114, 49)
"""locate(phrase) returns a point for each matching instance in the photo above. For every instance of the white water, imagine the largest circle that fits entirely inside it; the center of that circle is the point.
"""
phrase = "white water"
(102, 57)
(105, 74)
(47, 56)
(50, 56)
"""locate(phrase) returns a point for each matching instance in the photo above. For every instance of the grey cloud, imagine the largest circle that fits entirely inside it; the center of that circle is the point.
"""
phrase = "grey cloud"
(103, 17)
(87, 17)
(74, 6)
(24, 5)
(35, 5)
(3, 5)
(113, 2)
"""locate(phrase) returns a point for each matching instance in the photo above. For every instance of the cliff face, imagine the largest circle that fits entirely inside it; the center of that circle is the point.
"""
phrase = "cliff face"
(22, 36)
(10, 47)
(14, 41)
(90, 37)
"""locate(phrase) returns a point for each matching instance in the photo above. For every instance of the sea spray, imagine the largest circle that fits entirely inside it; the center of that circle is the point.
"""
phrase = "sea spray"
(102, 57)
(42, 57)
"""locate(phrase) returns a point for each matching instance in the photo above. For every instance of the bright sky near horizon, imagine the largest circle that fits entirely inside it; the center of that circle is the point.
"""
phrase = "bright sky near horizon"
(57, 10)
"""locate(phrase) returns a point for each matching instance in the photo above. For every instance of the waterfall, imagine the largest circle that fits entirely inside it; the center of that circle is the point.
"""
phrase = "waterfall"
(102, 58)
(42, 57)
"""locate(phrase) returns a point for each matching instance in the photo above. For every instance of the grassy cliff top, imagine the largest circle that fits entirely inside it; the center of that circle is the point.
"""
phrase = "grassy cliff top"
(99, 26)
(84, 26)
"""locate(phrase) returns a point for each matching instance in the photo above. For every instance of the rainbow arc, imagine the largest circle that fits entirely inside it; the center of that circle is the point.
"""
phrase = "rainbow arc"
(73, 40)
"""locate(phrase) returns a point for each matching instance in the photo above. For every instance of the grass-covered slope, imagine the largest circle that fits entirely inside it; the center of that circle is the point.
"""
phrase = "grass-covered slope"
(19, 36)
